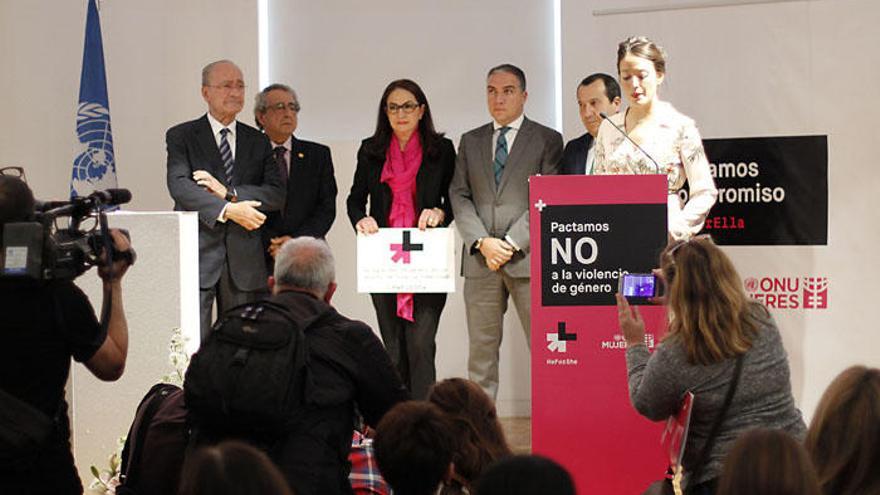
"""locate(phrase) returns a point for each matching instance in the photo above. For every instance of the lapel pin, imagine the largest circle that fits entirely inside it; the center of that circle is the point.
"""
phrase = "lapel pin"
(300, 155)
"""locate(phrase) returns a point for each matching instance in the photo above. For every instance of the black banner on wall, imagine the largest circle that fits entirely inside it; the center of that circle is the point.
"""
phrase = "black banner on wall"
(585, 248)
(771, 191)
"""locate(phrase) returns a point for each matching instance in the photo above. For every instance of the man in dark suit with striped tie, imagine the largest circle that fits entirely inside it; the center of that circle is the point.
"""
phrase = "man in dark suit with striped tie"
(597, 93)
(225, 171)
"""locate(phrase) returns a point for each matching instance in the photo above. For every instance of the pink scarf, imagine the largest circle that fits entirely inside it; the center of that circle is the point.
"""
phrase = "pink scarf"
(399, 172)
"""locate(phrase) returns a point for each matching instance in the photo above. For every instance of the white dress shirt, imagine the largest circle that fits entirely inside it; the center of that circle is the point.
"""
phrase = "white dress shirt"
(216, 127)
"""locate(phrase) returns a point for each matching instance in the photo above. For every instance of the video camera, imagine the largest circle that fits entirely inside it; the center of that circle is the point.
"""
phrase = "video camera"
(46, 248)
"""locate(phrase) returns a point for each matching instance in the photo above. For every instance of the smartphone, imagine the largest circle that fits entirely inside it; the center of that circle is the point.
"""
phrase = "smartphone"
(638, 287)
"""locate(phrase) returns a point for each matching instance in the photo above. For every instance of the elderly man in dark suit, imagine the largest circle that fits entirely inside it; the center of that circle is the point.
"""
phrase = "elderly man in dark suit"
(224, 170)
(597, 93)
(490, 198)
(305, 167)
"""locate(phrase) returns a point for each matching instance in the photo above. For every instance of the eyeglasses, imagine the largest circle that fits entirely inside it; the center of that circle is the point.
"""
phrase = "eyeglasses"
(408, 107)
(17, 172)
(280, 107)
(229, 86)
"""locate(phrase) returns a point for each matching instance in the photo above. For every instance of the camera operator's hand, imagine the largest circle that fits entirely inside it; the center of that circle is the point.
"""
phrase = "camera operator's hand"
(246, 214)
(113, 272)
(212, 185)
(108, 362)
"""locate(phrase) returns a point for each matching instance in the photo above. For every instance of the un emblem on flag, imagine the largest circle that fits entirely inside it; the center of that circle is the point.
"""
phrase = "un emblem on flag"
(92, 165)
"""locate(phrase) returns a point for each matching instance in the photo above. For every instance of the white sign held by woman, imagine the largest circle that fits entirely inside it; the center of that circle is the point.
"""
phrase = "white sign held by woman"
(406, 260)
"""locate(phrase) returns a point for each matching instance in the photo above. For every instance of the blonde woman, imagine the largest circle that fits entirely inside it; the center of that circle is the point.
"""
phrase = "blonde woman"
(713, 325)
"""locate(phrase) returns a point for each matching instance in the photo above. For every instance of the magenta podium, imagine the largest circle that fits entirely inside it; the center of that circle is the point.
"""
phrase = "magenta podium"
(585, 232)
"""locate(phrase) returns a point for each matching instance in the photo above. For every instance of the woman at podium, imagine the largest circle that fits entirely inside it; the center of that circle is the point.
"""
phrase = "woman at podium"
(404, 170)
(652, 137)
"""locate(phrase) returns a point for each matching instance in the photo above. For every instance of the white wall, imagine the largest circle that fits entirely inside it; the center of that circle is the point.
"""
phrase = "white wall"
(446, 47)
(154, 52)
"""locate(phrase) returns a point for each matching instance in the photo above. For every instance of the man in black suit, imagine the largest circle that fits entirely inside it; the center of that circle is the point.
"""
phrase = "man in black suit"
(224, 170)
(597, 93)
(305, 167)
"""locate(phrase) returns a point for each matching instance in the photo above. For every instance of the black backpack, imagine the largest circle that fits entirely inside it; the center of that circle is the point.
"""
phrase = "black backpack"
(249, 374)
(154, 450)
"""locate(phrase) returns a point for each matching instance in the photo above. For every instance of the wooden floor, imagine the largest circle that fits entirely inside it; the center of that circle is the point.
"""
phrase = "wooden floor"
(519, 434)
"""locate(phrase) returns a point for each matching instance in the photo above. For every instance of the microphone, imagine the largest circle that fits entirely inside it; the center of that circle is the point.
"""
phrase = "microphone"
(606, 119)
(112, 197)
(82, 205)
(42, 206)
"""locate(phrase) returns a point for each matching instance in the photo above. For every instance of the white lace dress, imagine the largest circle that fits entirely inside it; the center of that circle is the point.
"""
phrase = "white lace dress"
(675, 144)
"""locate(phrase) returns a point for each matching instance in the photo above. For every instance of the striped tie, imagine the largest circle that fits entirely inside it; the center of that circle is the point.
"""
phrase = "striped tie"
(226, 155)
(500, 154)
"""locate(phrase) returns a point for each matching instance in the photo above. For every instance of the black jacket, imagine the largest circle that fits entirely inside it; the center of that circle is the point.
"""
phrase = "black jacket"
(310, 201)
(574, 156)
(432, 184)
(348, 367)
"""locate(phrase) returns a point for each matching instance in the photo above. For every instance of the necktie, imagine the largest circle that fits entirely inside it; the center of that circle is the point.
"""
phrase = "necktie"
(281, 160)
(226, 155)
(500, 153)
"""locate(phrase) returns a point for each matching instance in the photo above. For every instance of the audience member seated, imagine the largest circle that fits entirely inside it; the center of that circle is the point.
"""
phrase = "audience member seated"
(768, 462)
(525, 475)
(844, 436)
(347, 367)
(480, 439)
(231, 468)
(713, 324)
(414, 445)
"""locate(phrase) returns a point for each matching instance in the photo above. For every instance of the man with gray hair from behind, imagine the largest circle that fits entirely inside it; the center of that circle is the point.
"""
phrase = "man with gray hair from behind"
(347, 366)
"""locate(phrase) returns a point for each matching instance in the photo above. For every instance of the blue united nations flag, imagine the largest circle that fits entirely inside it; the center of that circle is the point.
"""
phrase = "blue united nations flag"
(94, 167)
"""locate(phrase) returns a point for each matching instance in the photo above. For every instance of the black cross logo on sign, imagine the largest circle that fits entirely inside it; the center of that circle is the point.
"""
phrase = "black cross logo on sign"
(560, 327)
(408, 245)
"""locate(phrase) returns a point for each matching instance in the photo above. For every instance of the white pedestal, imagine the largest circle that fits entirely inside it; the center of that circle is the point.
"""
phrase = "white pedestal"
(160, 293)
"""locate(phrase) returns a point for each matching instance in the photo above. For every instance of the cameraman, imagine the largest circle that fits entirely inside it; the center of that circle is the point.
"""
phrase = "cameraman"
(44, 324)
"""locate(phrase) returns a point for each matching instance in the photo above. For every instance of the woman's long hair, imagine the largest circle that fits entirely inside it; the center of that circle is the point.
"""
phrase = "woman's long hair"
(710, 312)
(382, 136)
(231, 468)
(844, 436)
(767, 462)
(480, 437)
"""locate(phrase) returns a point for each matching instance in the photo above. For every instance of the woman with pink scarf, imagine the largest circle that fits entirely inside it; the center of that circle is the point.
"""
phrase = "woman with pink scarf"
(404, 170)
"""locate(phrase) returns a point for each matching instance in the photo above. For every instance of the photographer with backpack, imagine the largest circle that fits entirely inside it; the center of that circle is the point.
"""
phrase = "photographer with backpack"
(286, 374)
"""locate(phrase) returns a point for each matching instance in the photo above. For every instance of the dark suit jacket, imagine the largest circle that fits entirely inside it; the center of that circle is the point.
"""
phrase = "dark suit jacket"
(191, 146)
(574, 156)
(483, 209)
(310, 206)
(432, 184)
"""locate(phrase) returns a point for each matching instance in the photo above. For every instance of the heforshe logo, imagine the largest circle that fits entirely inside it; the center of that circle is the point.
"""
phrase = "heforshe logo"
(808, 292)
(557, 341)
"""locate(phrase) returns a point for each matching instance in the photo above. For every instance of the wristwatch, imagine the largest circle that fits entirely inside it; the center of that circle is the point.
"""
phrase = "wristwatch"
(232, 198)
(476, 247)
